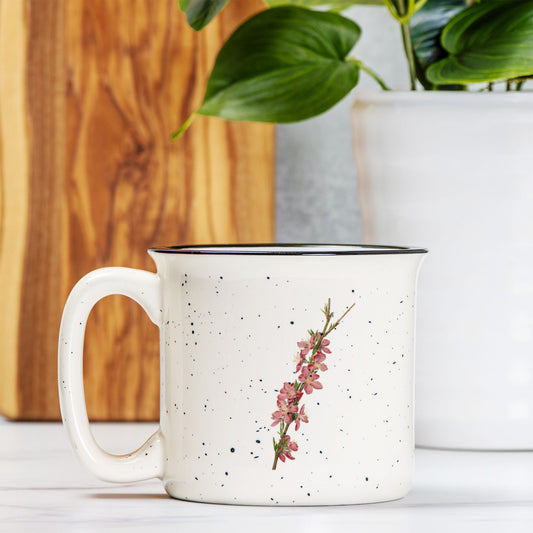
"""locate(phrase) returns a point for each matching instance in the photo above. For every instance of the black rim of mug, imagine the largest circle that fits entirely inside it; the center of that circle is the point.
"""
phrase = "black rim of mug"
(288, 249)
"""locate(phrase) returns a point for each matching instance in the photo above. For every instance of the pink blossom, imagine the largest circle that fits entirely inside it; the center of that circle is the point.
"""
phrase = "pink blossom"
(300, 361)
(289, 393)
(319, 357)
(306, 346)
(301, 417)
(309, 380)
(318, 363)
(323, 346)
(287, 447)
(284, 413)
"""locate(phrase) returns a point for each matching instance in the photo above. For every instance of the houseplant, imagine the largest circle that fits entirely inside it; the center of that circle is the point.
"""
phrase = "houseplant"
(446, 168)
(265, 69)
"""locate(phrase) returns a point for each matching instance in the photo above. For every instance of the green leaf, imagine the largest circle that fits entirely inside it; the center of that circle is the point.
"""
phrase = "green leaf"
(199, 13)
(284, 64)
(490, 41)
(331, 5)
(425, 29)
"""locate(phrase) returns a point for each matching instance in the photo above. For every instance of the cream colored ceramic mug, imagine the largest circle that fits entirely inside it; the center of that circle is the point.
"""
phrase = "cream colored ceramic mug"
(275, 390)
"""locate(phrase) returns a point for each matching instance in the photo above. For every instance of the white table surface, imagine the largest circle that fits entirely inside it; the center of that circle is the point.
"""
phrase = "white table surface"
(44, 488)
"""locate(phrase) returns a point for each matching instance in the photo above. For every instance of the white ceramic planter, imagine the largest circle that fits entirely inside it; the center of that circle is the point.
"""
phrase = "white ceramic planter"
(454, 172)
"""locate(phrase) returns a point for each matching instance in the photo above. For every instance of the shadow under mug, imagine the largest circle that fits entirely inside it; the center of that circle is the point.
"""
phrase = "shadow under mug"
(263, 402)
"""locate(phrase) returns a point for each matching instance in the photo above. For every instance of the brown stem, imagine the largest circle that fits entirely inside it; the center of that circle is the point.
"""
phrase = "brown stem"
(275, 462)
(340, 319)
(278, 449)
(328, 317)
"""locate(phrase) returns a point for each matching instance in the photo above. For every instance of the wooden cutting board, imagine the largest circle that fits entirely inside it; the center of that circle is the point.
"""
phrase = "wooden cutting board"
(90, 92)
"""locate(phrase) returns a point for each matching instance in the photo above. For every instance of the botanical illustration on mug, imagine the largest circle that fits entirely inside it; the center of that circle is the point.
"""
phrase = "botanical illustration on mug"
(309, 360)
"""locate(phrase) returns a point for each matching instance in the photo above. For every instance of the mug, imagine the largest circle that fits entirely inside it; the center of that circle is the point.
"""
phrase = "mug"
(286, 372)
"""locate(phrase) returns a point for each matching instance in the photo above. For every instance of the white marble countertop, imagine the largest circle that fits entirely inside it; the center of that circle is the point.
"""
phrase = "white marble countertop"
(44, 488)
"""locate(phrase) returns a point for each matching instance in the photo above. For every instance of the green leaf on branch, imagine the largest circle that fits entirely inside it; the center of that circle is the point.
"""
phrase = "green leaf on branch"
(199, 13)
(425, 29)
(490, 41)
(284, 64)
(331, 5)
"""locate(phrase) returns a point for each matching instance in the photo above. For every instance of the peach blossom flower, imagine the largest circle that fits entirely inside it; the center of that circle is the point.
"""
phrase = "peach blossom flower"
(318, 363)
(301, 417)
(289, 393)
(306, 345)
(284, 413)
(287, 447)
(323, 346)
(309, 380)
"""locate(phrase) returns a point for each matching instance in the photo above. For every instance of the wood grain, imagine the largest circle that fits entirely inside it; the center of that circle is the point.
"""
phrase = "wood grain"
(101, 85)
(13, 185)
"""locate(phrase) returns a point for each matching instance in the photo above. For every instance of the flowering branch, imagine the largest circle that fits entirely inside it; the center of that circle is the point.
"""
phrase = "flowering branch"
(309, 361)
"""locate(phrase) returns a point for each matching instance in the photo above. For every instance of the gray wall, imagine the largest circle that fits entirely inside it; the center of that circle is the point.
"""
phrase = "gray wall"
(316, 194)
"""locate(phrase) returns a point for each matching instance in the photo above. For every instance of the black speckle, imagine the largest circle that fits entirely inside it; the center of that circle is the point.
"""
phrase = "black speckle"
(232, 450)
(292, 322)
(226, 473)
(258, 441)
(366, 479)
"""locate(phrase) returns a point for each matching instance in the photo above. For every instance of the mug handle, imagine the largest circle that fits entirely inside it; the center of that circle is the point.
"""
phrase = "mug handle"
(143, 287)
